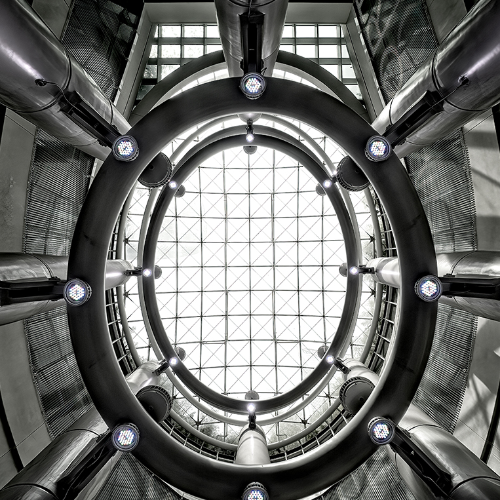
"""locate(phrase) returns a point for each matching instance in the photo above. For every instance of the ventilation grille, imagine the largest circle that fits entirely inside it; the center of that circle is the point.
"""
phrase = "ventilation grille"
(130, 480)
(399, 38)
(441, 174)
(99, 35)
(376, 479)
(58, 182)
(63, 397)
(441, 391)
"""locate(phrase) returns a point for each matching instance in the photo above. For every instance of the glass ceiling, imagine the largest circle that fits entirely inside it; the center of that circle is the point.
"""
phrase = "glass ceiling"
(250, 286)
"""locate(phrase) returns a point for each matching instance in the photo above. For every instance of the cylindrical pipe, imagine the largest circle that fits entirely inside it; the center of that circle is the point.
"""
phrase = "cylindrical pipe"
(471, 51)
(228, 18)
(17, 266)
(469, 475)
(39, 479)
(39, 55)
(252, 447)
(461, 264)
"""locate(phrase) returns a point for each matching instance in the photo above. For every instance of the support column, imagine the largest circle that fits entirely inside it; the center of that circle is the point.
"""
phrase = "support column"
(471, 478)
(252, 447)
(39, 480)
(461, 264)
(19, 266)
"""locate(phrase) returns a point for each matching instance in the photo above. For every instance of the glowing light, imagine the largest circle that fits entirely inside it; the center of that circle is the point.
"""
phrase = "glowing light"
(173, 361)
(381, 430)
(76, 292)
(354, 270)
(251, 407)
(125, 437)
(147, 273)
(330, 359)
(429, 288)
(253, 85)
(172, 185)
(327, 183)
(250, 137)
(125, 148)
(377, 148)
(255, 491)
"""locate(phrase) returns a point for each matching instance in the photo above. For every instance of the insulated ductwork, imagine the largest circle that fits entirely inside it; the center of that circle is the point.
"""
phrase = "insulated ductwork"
(39, 55)
(233, 14)
(462, 79)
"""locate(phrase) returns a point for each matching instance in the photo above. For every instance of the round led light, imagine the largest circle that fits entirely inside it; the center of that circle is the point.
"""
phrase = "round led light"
(251, 407)
(250, 137)
(377, 148)
(253, 85)
(429, 288)
(125, 148)
(172, 361)
(172, 185)
(255, 491)
(125, 437)
(327, 183)
(381, 430)
(354, 270)
(147, 273)
(330, 359)
(76, 292)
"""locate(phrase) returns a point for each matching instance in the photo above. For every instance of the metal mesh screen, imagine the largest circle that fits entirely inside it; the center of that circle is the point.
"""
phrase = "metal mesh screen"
(376, 479)
(441, 391)
(399, 38)
(99, 35)
(63, 397)
(441, 174)
(58, 182)
(130, 480)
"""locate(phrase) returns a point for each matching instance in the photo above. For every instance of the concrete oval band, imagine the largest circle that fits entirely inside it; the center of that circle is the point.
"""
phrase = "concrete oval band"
(183, 171)
(170, 460)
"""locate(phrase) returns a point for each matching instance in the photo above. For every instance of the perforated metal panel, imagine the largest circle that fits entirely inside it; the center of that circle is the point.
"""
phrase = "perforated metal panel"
(58, 182)
(441, 391)
(99, 35)
(130, 480)
(376, 479)
(63, 397)
(399, 38)
(441, 173)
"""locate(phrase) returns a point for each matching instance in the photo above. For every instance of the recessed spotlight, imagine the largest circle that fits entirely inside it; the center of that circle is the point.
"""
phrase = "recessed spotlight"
(76, 292)
(125, 437)
(125, 148)
(253, 85)
(377, 148)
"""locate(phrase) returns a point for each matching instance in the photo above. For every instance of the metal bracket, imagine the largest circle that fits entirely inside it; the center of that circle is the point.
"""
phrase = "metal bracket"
(31, 290)
(438, 480)
(481, 288)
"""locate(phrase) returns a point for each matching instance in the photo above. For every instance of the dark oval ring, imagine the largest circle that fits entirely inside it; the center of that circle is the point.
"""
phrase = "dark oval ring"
(163, 455)
(195, 157)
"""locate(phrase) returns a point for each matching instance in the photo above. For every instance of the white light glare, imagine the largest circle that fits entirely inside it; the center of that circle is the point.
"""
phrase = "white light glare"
(354, 270)
(327, 183)
(330, 359)
(173, 361)
(147, 273)
(251, 407)
(172, 185)
(250, 137)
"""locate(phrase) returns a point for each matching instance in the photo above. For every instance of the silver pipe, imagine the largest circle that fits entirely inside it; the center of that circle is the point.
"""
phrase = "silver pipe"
(471, 478)
(473, 264)
(470, 50)
(252, 447)
(17, 266)
(40, 477)
(228, 19)
(38, 54)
